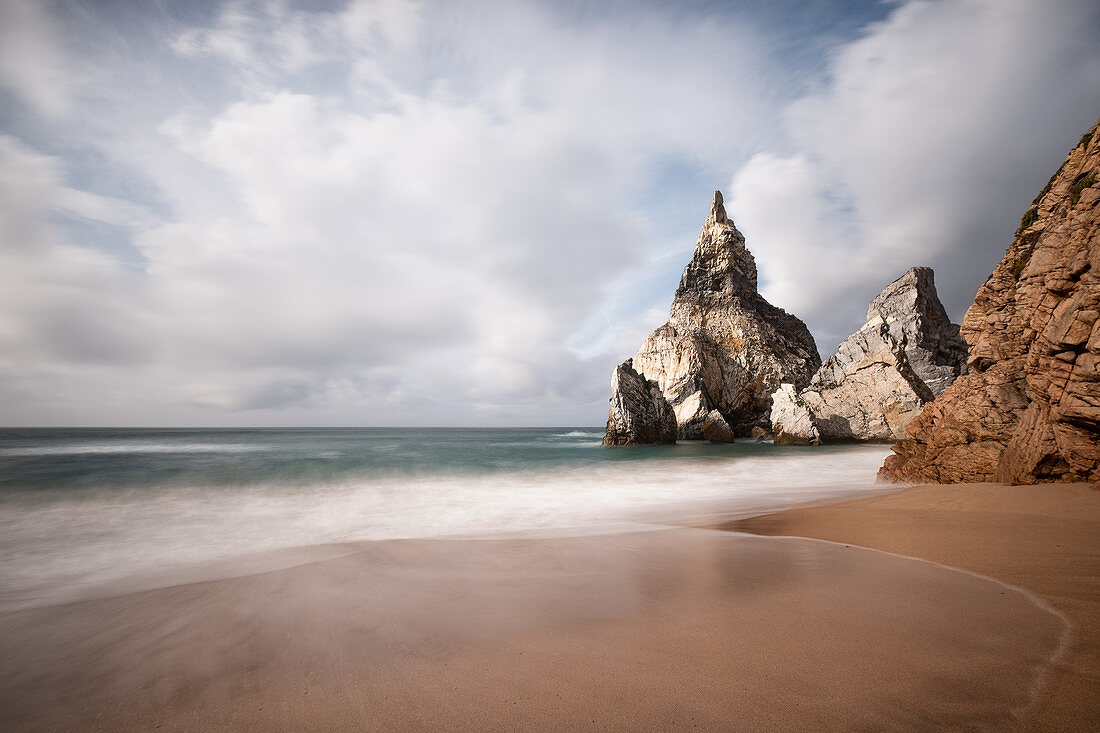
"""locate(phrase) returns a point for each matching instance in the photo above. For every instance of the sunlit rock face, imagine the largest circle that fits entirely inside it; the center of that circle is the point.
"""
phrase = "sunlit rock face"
(1029, 410)
(907, 353)
(792, 421)
(725, 349)
(639, 413)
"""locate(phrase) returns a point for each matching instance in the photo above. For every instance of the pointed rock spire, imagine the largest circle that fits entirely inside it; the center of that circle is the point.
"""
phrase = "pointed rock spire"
(724, 349)
(718, 209)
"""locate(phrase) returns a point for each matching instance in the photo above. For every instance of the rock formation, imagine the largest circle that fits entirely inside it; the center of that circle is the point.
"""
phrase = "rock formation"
(792, 421)
(907, 353)
(639, 413)
(1029, 410)
(724, 349)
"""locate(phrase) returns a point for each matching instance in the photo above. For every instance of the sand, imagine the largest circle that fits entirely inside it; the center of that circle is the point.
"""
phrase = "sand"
(1045, 538)
(675, 628)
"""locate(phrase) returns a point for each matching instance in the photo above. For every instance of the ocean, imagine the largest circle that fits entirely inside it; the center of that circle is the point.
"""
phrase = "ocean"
(83, 508)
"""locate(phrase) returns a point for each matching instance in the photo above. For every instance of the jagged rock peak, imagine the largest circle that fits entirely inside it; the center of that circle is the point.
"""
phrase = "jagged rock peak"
(910, 311)
(721, 263)
(717, 210)
(881, 376)
(639, 413)
(1029, 408)
(724, 349)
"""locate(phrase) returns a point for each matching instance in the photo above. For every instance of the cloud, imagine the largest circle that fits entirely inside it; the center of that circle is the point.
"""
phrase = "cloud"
(924, 146)
(426, 253)
(32, 60)
(27, 183)
(273, 35)
(465, 213)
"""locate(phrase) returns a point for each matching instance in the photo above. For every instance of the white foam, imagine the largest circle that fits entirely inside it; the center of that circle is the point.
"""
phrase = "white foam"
(54, 548)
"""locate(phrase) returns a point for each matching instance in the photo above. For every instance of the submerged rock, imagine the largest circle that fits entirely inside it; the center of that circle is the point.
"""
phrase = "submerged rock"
(639, 413)
(880, 378)
(1029, 409)
(724, 349)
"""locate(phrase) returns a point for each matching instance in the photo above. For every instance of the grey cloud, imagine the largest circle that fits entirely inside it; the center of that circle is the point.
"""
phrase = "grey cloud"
(934, 132)
(377, 214)
(278, 395)
(81, 335)
(32, 59)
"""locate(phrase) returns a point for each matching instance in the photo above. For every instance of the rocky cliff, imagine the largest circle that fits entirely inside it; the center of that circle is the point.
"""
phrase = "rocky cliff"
(724, 349)
(639, 413)
(907, 353)
(1029, 410)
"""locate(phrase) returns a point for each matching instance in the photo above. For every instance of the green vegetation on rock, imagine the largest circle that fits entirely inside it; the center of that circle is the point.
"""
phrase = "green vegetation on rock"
(1083, 181)
(1019, 265)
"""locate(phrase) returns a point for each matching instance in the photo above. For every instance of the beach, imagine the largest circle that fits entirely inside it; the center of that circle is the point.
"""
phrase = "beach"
(456, 579)
(1045, 538)
(668, 628)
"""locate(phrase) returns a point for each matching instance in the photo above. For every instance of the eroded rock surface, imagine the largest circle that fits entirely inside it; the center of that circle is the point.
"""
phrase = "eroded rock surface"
(907, 353)
(724, 349)
(1029, 410)
(792, 421)
(639, 413)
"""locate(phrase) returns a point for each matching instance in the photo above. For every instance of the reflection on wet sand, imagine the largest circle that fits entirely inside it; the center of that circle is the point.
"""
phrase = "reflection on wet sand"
(650, 630)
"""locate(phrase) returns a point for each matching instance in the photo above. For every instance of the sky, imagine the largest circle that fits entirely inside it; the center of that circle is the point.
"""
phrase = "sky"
(467, 212)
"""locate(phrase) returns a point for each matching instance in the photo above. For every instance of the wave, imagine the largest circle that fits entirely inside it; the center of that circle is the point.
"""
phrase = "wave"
(128, 448)
(62, 542)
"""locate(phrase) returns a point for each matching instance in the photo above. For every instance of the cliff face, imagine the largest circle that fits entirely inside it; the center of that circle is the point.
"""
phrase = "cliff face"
(1029, 410)
(907, 353)
(639, 413)
(724, 349)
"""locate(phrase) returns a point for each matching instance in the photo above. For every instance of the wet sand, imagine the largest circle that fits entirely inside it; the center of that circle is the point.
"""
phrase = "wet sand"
(1044, 538)
(668, 629)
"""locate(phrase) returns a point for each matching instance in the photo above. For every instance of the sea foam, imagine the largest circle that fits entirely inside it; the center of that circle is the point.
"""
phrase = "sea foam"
(62, 543)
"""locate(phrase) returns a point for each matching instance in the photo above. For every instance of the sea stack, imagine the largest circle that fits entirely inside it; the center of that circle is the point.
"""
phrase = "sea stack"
(906, 354)
(639, 413)
(725, 349)
(1029, 409)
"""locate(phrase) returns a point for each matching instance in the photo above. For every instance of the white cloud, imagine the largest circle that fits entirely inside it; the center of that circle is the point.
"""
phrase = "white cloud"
(32, 60)
(429, 214)
(270, 35)
(105, 209)
(924, 147)
(27, 183)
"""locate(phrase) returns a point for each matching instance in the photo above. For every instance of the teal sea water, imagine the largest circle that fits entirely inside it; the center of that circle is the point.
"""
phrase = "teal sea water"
(80, 507)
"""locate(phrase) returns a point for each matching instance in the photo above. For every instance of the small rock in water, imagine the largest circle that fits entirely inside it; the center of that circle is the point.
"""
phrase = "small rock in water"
(716, 429)
(639, 413)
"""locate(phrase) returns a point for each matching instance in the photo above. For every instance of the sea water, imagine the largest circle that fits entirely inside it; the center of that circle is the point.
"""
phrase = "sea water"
(82, 507)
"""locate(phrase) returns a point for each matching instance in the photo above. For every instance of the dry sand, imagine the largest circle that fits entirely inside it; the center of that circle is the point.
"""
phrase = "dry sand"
(1045, 538)
(670, 629)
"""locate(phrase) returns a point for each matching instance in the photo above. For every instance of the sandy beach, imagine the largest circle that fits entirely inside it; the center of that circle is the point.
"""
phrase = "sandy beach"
(652, 630)
(1045, 538)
